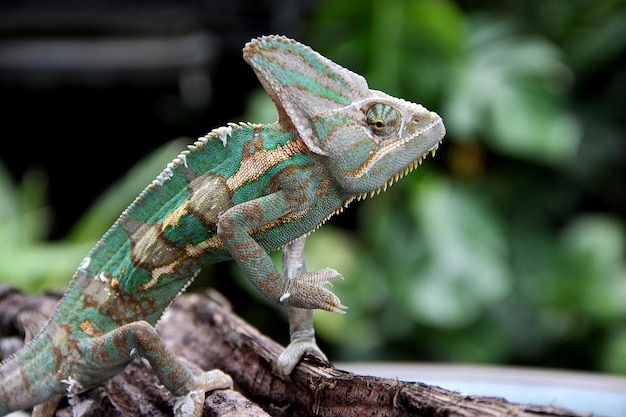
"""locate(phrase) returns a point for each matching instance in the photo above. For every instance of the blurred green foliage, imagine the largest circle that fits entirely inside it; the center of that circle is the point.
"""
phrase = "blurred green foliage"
(507, 247)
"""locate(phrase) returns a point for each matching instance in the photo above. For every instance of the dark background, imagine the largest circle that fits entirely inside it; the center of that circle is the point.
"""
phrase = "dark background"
(84, 119)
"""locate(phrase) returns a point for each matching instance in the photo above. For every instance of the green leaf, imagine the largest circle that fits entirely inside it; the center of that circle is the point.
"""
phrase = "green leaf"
(592, 257)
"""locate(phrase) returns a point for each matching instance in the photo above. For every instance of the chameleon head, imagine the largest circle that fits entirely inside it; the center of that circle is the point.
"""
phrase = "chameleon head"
(367, 137)
(374, 141)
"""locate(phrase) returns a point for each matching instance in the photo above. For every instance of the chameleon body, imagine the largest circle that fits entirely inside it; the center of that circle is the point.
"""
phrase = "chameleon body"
(238, 193)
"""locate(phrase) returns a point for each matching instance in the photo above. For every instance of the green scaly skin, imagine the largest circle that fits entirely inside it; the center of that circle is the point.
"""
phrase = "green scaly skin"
(238, 193)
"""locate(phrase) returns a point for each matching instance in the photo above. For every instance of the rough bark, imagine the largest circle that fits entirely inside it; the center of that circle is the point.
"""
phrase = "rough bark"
(203, 329)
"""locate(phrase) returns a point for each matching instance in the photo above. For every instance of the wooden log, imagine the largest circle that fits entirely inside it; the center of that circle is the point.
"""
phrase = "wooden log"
(202, 329)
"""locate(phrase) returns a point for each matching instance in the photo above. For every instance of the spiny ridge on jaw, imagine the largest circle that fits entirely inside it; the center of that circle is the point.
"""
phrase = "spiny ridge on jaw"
(399, 174)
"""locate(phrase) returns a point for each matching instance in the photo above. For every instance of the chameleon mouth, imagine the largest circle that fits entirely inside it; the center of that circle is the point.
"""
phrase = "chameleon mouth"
(400, 174)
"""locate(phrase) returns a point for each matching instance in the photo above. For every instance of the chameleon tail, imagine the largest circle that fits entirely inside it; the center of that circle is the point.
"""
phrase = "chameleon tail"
(29, 376)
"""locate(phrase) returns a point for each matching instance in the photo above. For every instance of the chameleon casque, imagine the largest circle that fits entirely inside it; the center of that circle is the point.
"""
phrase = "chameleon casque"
(239, 192)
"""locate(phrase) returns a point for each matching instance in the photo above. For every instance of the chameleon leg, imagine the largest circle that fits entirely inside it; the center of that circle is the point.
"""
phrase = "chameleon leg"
(301, 331)
(234, 228)
(139, 339)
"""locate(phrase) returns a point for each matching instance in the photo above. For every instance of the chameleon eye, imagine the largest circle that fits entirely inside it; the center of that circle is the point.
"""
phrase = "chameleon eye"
(382, 119)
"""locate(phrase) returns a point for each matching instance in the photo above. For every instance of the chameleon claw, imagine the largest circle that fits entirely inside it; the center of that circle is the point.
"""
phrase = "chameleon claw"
(332, 302)
(341, 309)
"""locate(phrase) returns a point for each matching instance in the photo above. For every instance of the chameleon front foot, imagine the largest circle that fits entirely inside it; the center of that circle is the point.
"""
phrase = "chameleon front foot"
(192, 403)
(307, 291)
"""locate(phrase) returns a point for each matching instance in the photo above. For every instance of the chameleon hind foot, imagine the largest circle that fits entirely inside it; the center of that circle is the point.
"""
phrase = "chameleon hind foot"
(192, 403)
(140, 339)
(291, 356)
(302, 342)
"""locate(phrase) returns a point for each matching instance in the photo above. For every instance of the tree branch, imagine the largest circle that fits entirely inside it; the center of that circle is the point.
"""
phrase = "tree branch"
(202, 329)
